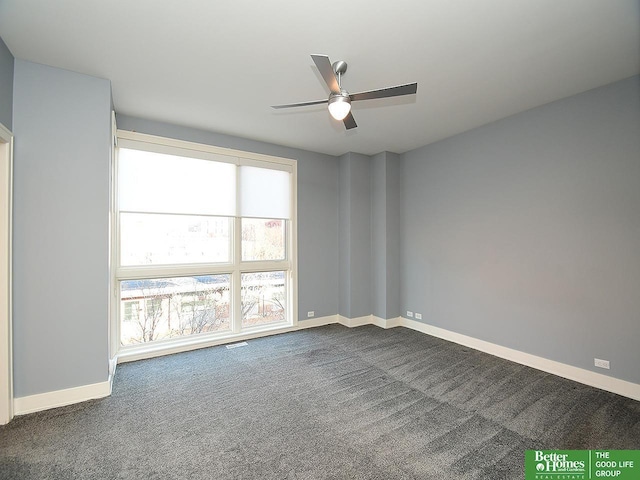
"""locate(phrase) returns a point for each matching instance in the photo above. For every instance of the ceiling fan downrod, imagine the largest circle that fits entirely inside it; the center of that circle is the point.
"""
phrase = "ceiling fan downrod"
(339, 68)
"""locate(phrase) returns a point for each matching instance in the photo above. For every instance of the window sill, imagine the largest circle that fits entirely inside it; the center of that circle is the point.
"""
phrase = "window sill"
(143, 351)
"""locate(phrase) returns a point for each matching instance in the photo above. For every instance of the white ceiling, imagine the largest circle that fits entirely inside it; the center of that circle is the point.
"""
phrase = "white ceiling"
(219, 65)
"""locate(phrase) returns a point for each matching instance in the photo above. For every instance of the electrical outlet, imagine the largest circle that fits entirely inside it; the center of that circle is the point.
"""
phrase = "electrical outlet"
(418, 316)
(601, 363)
(311, 314)
(409, 314)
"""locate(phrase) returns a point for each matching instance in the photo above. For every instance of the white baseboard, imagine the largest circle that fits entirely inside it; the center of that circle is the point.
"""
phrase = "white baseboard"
(581, 375)
(60, 398)
(355, 322)
(369, 320)
(317, 322)
(391, 322)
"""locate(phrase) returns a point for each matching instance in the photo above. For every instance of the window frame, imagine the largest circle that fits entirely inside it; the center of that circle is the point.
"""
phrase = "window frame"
(236, 267)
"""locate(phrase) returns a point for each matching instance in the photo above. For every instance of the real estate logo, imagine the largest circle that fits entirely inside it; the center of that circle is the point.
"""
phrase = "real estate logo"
(582, 464)
(559, 464)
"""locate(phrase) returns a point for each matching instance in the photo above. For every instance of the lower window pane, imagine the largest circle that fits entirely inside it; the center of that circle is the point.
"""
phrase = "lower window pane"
(161, 308)
(263, 298)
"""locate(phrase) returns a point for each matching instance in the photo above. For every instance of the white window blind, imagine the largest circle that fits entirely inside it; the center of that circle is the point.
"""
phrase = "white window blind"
(159, 183)
(265, 193)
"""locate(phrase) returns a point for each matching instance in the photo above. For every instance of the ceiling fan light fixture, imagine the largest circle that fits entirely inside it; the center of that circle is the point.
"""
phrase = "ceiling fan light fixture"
(339, 106)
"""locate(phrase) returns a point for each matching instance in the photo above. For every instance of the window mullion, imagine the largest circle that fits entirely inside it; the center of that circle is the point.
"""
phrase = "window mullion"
(236, 319)
(133, 273)
(266, 266)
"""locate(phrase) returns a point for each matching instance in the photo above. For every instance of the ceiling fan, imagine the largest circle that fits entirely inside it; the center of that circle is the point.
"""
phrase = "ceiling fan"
(339, 100)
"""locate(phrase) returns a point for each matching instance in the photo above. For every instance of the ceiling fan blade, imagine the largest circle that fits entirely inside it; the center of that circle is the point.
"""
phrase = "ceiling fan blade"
(326, 70)
(303, 104)
(349, 122)
(407, 89)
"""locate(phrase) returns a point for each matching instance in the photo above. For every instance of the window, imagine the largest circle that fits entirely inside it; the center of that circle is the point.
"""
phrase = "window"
(131, 311)
(204, 241)
(153, 307)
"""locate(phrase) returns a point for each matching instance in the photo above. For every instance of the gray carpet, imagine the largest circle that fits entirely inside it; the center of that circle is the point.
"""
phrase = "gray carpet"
(323, 403)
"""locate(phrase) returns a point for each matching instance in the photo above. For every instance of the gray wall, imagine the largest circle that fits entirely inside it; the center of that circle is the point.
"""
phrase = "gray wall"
(344, 238)
(394, 267)
(317, 209)
(385, 235)
(526, 232)
(61, 229)
(6, 86)
(355, 235)
(378, 189)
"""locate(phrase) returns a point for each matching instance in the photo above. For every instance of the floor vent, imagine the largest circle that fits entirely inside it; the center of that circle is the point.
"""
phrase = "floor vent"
(236, 345)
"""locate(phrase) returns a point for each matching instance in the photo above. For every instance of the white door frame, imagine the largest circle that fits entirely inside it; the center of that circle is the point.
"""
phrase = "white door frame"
(6, 209)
